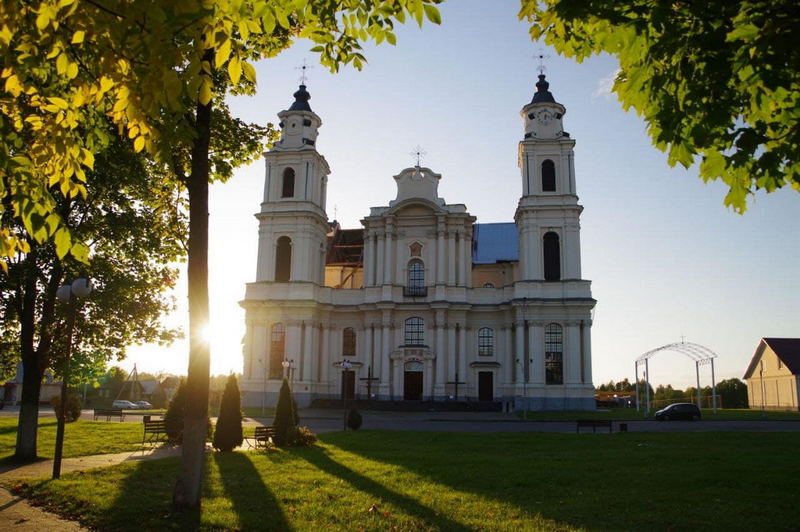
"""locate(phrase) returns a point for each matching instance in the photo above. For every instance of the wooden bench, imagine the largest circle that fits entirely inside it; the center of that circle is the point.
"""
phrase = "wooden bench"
(154, 432)
(262, 438)
(595, 424)
(108, 413)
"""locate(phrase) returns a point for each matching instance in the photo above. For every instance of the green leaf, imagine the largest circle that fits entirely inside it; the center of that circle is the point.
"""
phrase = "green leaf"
(433, 14)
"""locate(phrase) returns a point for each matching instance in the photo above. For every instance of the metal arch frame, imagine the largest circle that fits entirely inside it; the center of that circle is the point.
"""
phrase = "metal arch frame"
(700, 354)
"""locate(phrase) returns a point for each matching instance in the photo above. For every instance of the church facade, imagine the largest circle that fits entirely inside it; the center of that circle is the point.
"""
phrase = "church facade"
(421, 302)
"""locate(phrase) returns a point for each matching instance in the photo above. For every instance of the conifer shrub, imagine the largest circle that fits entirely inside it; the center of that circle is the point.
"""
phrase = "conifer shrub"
(73, 409)
(228, 432)
(173, 418)
(354, 419)
(284, 415)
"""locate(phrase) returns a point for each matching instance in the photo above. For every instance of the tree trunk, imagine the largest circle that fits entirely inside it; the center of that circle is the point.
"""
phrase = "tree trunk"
(28, 421)
(195, 427)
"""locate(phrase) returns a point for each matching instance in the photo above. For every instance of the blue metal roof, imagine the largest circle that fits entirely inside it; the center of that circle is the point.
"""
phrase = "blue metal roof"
(493, 243)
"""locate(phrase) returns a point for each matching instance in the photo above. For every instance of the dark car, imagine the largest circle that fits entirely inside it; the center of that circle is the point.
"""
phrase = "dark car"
(687, 411)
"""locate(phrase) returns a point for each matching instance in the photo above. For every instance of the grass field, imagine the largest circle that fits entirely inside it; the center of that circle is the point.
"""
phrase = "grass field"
(81, 438)
(378, 480)
(631, 414)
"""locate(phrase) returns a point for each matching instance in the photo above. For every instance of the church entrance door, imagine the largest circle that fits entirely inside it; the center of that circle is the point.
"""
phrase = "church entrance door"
(348, 384)
(485, 385)
(412, 386)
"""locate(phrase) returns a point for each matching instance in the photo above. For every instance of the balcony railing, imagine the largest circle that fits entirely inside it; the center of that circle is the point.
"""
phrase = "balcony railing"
(415, 291)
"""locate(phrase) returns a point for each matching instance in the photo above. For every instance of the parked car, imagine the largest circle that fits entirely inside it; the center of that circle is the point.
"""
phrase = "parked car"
(143, 405)
(687, 411)
(124, 405)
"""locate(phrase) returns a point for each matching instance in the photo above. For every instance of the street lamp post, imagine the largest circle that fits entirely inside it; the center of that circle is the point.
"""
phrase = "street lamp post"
(67, 293)
(346, 365)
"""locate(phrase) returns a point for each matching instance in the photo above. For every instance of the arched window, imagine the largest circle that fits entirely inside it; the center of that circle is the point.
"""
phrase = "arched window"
(485, 342)
(283, 260)
(414, 331)
(416, 274)
(553, 354)
(552, 257)
(548, 176)
(287, 188)
(349, 342)
(277, 350)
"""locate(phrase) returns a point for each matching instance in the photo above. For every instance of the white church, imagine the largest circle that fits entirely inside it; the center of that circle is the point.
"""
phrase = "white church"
(421, 303)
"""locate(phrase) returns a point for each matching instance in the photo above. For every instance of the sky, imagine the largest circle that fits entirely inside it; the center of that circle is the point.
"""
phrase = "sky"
(666, 258)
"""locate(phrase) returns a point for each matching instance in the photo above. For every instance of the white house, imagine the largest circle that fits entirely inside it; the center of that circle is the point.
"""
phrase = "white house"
(423, 302)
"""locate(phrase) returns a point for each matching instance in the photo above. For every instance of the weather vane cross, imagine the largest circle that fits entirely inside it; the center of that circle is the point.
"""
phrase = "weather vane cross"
(541, 57)
(304, 67)
(418, 153)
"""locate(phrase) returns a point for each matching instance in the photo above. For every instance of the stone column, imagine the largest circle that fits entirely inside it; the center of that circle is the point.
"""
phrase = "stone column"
(326, 356)
(508, 359)
(451, 352)
(519, 343)
(440, 377)
(451, 258)
(587, 352)
(388, 275)
(386, 350)
(369, 264)
(308, 350)
(524, 260)
(536, 332)
(572, 252)
(259, 347)
(572, 355)
(468, 258)
(440, 252)
(462, 356)
(459, 281)
(369, 353)
(379, 260)
(293, 345)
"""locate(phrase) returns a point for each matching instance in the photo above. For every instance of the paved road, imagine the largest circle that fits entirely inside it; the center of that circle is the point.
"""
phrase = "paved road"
(324, 420)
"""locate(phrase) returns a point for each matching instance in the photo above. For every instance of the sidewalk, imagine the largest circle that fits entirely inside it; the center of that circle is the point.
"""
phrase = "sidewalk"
(17, 514)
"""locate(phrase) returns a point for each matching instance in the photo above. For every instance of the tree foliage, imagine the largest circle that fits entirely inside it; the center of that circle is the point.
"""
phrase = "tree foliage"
(68, 66)
(173, 418)
(228, 432)
(733, 393)
(717, 82)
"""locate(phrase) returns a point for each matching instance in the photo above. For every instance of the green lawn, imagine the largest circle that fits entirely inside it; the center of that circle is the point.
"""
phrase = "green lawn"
(81, 438)
(631, 414)
(379, 480)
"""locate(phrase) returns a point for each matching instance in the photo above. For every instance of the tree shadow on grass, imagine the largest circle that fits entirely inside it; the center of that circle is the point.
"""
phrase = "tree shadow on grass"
(318, 457)
(254, 504)
(144, 500)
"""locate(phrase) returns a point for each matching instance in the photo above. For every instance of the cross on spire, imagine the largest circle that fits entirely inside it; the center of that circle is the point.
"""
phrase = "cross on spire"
(541, 57)
(418, 153)
(303, 68)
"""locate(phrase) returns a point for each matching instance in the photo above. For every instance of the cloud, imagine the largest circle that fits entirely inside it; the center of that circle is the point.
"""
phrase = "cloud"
(604, 85)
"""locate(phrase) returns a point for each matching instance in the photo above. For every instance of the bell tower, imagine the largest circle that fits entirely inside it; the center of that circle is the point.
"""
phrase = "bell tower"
(292, 222)
(548, 213)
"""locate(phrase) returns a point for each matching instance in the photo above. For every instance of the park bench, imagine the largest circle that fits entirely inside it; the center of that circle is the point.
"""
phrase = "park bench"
(594, 424)
(262, 438)
(154, 431)
(108, 413)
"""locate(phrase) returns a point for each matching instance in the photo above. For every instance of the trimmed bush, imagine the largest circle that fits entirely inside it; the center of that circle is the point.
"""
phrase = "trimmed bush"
(300, 437)
(73, 412)
(228, 433)
(354, 419)
(284, 415)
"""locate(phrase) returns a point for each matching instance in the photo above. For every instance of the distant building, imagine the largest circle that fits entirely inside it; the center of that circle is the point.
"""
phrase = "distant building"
(422, 302)
(773, 375)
